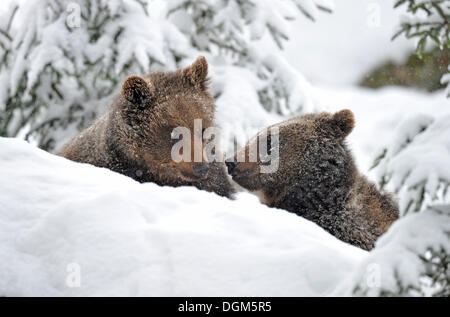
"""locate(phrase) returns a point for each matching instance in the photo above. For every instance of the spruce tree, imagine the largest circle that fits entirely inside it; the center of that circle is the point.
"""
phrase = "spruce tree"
(229, 29)
(61, 61)
(415, 166)
(428, 22)
(415, 253)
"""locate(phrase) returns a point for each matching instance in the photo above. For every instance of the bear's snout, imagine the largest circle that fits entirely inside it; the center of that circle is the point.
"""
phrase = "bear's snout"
(201, 169)
(231, 166)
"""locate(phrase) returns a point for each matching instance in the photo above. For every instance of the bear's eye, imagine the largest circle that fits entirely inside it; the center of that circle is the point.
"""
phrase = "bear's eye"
(269, 145)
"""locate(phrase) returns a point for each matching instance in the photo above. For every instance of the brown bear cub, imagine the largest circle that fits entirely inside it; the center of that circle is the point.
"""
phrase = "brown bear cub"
(134, 137)
(317, 178)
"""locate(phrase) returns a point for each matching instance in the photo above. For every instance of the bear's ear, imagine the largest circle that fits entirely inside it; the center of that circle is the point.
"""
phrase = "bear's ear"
(197, 73)
(343, 122)
(136, 90)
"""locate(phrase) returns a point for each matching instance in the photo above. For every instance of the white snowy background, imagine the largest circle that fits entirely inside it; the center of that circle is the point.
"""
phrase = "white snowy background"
(69, 229)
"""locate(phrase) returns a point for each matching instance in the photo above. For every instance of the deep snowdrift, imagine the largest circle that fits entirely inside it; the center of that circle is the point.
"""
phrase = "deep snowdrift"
(396, 266)
(134, 239)
(69, 229)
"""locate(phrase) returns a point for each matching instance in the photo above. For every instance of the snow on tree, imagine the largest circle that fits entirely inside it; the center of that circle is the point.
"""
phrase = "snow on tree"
(61, 61)
(264, 81)
(427, 20)
(411, 259)
(416, 166)
(230, 28)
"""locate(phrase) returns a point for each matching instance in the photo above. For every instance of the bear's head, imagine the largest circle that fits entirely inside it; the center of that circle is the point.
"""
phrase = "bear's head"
(148, 111)
(314, 166)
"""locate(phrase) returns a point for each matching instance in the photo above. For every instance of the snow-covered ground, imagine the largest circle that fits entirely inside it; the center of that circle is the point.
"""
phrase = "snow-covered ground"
(70, 229)
(74, 229)
(135, 239)
(64, 223)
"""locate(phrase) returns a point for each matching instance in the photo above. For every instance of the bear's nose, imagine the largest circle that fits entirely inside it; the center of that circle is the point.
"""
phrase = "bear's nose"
(231, 165)
(201, 169)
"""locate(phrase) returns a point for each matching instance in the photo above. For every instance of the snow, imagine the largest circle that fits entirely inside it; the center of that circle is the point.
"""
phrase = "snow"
(419, 159)
(433, 144)
(46, 46)
(132, 239)
(136, 239)
(378, 114)
(141, 239)
(292, 83)
(272, 16)
(340, 48)
(421, 18)
(395, 255)
(239, 113)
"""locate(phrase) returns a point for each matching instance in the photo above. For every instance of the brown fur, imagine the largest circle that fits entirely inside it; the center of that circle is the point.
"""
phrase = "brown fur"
(134, 137)
(318, 179)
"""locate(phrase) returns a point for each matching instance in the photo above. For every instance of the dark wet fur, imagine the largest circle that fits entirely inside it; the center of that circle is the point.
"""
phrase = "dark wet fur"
(318, 180)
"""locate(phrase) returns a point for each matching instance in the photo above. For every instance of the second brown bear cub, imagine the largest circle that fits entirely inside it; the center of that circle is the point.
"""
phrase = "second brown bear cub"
(318, 179)
(134, 137)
